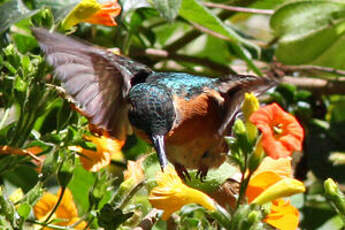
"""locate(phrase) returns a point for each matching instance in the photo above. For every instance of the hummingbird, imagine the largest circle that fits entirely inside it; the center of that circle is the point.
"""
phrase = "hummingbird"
(185, 117)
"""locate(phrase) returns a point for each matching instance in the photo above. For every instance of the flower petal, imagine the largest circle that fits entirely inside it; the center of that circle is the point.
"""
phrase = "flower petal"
(283, 188)
(281, 166)
(92, 12)
(259, 183)
(67, 209)
(82, 11)
(134, 170)
(283, 215)
(171, 194)
(280, 144)
(106, 15)
(43, 207)
(106, 149)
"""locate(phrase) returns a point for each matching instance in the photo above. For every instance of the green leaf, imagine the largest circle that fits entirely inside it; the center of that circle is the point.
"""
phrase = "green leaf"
(59, 8)
(310, 31)
(24, 210)
(130, 5)
(80, 185)
(34, 194)
(214, 178)
(194, 12)
(110, 217)
(24, 43)
(168, 8)
(13, 11)
(7, 209)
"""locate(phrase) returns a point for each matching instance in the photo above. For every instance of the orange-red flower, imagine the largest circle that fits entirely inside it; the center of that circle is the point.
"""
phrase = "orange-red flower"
(107, 149)
(270, 182)
(91, 11)
(106, 15)
(281, 132)
(67, 210)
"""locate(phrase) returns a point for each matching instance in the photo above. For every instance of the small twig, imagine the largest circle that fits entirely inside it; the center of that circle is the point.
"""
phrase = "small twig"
(183, 41)
(210, 32)
(52, 226)
(149, 220)
(163, 54)
(313, 68)
(319, 86)
(190, 36)
(239, 9)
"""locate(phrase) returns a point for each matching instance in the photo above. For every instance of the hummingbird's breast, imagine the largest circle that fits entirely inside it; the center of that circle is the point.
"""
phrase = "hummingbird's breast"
(193, 141)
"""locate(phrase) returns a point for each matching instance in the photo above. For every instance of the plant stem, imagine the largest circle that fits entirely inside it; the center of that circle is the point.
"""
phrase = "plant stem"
(63, 189)
(53, 226)
(239, 9)
(133, 191)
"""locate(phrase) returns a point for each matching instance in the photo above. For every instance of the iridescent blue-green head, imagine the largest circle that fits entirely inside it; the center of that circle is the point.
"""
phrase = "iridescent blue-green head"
(152, 110)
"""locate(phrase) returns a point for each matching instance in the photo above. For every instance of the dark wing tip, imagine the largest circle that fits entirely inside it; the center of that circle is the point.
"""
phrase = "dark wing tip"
(48, 40)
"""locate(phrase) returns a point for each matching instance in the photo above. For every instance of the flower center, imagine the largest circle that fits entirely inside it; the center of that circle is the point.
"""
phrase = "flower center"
(278, 129)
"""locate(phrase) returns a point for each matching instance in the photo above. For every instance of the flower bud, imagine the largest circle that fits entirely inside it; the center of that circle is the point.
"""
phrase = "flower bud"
(250, 105)
(335, 196)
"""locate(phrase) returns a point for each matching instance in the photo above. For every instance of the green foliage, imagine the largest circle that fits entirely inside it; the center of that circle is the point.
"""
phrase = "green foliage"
(301, 25)
(168, 9)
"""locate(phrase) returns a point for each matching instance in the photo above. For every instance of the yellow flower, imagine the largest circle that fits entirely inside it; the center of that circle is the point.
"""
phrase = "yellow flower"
(107, 148)
(171, 194)
(93, 12)
(134, 170)
(67, 210)
(270, 182)
(250, 105)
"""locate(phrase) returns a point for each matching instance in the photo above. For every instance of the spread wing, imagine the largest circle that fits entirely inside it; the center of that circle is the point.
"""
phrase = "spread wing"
(96, 80)
(233, 89)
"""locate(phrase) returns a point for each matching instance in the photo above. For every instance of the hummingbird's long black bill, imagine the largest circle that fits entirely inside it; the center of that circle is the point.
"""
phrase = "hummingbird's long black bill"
(158, 143)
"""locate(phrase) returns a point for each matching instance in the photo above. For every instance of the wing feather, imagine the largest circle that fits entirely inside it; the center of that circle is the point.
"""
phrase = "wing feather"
(233, 89)
(97, 80)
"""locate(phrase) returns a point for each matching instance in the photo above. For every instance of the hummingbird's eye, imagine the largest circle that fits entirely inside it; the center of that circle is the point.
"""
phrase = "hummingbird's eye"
(139, 77)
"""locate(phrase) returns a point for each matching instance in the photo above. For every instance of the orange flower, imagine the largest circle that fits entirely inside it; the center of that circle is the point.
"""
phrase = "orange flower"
(283, 215)
(270, 182)
(281, 132)
(106, 15)
(91, 11)
(107, 148)
(67, 211)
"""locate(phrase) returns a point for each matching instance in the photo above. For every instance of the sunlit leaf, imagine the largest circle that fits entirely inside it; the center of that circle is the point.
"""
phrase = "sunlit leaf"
(13, 11)
(59, 8)
(168, 8)
(191, 10)
(310, 31)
